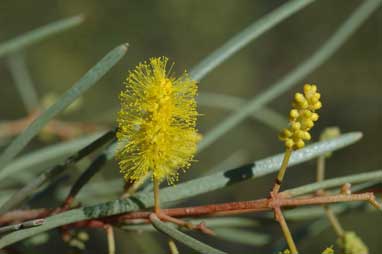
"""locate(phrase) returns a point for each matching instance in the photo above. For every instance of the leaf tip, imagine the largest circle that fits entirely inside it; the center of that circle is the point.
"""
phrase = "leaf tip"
(80, 18)
(357, 135)
(126, 46)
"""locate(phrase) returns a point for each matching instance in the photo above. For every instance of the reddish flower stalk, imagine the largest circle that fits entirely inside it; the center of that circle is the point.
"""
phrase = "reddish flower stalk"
(23, 215)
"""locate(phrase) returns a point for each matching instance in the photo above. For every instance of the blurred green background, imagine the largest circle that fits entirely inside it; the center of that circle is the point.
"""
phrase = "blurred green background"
(186, 31)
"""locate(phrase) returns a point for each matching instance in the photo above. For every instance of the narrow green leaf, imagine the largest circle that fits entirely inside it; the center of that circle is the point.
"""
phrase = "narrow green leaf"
(254, 170)
(239, 157)
(88, 174)
(20, 74)
(183, 238)
(314, 212)
(44, 157)
(51, 173)
(38, 35)
(243, 38)
(96, 190)
(228, 102)
(359, 178)
(86, 82)
(339, 37)
(213, 223)
(185, 190)
(242, 236)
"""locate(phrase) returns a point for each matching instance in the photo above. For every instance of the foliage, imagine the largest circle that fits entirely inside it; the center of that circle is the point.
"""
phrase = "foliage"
(125, 206)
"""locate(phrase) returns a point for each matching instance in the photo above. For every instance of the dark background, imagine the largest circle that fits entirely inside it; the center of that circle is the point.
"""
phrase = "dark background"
(186, 31)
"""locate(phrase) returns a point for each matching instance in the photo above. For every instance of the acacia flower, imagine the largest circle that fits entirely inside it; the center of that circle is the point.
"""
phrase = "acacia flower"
(156, 122)
(301, 118)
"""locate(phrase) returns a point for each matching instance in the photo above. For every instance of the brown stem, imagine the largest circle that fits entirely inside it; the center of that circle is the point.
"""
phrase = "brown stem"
(247, 206)
(334, 221)
(284, 227)
(23, 215)
(64, 130)
(219, 209)
(182, 223)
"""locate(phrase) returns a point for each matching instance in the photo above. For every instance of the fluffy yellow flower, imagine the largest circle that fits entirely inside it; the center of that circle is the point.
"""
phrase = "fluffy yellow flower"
(156, 122)
(302, 117)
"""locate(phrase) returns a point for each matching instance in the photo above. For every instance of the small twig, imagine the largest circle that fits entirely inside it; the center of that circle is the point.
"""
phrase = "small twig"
(335, 223)
(110, 239)
(94, 167)
(23, 215)
(165, 217)
(374, 203)
(181, 237)
(26, 224)
(223, 209)
(63, 129)
(21, 195)
(284, 227)
(242, 207)
(281, 173)
(68, 130)
(202, 227)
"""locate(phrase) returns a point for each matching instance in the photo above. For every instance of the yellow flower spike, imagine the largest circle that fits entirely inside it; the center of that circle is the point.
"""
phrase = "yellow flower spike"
(301, 120)
(302, 117)
(157, 122)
